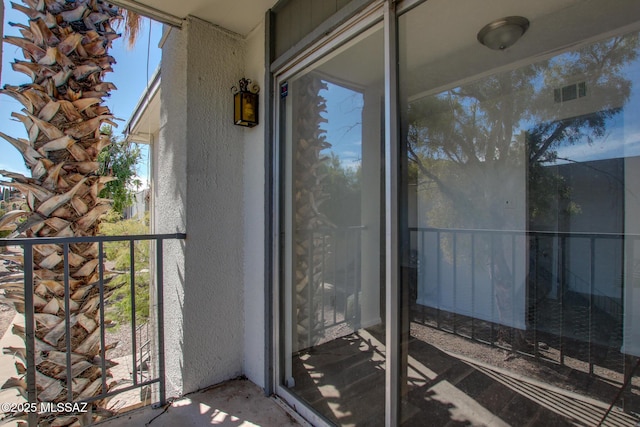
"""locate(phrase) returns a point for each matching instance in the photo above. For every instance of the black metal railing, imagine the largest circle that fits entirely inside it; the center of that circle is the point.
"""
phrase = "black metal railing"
(334, 268)
(571, 286)
(140, 346)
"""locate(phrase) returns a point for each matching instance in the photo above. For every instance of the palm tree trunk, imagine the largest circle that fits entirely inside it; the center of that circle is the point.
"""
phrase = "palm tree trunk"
(308, 189)
(65, 45)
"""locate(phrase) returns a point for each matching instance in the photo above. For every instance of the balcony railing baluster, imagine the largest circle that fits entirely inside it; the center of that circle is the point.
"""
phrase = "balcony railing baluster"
(564, 322)
(162, 390)
(134, 343)
(455, 278)
(103, 358)
(339, 263)
(563, 285)
(323, 282)
(30, 322)
(536, 353)
(334, 303)
(438, 277)
(310, 283)
(67, 319)
(592, 282)
(30, 331)
(473, 286)
(493, 289)
(513, 283)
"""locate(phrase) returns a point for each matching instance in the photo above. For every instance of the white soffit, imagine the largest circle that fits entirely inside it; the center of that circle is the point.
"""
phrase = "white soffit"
(239, 16)
(145, 119)
(146, 122)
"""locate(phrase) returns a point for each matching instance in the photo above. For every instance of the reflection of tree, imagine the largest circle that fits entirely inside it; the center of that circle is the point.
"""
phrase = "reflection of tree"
(472, 145)
(342, 185)
(326, 196)
(308, 142)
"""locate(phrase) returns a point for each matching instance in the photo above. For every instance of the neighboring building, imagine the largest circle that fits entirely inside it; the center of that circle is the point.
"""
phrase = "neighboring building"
(421, 230)
(139, 207)
(4, 197)
(10, 199)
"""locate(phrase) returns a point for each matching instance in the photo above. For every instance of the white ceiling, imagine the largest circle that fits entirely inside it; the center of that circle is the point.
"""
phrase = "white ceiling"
(239, 16)
(438, 44)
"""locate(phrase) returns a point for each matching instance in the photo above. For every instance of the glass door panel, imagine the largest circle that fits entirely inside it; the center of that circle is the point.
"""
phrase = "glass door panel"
(332, 331)
(522, 243)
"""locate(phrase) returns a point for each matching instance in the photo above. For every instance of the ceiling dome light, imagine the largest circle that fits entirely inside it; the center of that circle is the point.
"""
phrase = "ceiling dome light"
(504, 32)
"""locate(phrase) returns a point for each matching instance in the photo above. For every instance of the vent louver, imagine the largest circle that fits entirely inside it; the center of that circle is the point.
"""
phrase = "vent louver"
(570, 92)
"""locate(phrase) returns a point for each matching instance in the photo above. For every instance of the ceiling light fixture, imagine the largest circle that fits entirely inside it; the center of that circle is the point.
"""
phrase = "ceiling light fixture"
(504, 32)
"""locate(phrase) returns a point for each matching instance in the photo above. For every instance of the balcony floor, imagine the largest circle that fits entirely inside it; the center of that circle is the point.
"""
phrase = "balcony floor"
(235, 403)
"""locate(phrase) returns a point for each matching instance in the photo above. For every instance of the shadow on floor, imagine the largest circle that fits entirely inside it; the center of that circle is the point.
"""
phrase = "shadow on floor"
(234, 403)
(344, 380)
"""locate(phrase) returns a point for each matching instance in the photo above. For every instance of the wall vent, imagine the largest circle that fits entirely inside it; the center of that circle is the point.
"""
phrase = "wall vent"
(570, 92)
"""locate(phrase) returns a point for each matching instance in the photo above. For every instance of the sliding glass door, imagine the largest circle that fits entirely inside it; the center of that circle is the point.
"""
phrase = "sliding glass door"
(523, 217)
(332, 299)
(486, 269)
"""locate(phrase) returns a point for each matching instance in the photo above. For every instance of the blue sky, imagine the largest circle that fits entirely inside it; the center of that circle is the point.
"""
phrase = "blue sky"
(130, 76)
(622, 138)
(344, 123)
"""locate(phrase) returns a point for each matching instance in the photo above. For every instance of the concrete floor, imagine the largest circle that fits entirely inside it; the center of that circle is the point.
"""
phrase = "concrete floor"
(7, 366)
(235, 403)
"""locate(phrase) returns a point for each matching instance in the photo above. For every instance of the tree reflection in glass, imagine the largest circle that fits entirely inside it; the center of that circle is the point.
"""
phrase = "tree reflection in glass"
(489, 157)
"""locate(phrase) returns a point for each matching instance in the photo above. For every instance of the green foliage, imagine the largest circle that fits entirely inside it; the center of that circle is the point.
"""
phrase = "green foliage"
(342, 185)
(118, 252)
(118, 255)
(120, 300)
(4, 233)
(119, 160)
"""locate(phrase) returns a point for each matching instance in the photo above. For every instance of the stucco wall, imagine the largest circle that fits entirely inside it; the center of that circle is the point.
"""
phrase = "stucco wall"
(200, 190)
(170, 201)
(254, 202)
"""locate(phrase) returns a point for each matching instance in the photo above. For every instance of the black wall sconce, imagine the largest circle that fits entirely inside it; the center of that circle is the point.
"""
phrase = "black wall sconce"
(245, 103)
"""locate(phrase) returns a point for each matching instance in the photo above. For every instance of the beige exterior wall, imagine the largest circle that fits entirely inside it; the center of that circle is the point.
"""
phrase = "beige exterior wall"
(200, 190)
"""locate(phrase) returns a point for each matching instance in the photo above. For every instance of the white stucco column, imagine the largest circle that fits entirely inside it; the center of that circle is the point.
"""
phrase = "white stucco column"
(254, 220)
(370, 208)
(200, 191)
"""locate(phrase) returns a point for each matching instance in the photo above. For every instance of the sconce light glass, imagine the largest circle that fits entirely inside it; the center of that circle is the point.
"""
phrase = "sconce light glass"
(245, 100)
